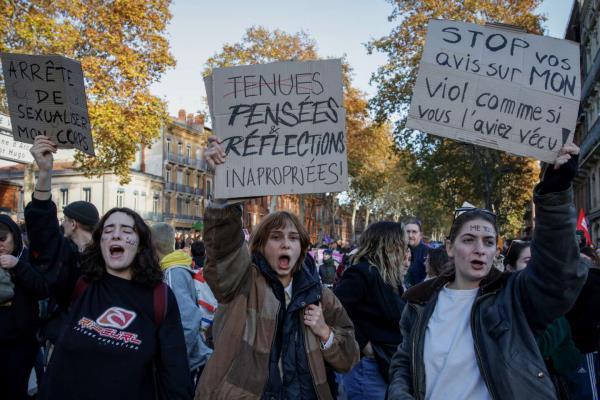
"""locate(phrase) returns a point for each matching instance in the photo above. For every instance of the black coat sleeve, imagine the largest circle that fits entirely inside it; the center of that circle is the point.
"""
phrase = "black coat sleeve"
(50, 252)
(31, 279)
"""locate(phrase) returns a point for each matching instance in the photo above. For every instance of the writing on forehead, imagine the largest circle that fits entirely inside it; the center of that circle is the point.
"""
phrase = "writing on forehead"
(480, 228)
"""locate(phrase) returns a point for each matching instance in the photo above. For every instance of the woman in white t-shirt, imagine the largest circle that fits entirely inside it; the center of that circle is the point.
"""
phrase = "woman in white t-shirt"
(470, 333)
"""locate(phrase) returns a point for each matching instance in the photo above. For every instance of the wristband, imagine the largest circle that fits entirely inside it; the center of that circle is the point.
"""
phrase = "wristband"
(43, 191)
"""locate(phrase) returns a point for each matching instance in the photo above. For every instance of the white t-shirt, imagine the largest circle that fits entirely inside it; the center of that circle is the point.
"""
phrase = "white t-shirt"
(451, 371)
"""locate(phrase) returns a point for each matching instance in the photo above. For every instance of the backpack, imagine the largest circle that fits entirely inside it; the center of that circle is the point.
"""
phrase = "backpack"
(159, 298)
(206, 300)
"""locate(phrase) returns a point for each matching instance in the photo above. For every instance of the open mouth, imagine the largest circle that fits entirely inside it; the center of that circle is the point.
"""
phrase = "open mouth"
(477, 264)
(116, 250)
(283, 262)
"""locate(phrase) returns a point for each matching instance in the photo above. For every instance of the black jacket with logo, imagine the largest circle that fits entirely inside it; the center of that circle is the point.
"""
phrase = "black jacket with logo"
(110, 344)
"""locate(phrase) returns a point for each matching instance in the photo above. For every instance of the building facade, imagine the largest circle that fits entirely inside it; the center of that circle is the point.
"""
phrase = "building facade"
(168, 183)
(584, 27)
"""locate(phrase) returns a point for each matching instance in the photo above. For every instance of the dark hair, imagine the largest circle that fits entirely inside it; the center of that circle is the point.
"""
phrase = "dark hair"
(198, 249)
(468, 216)
(437, 259)
(414, 221)
(514, 251)
(276, 220)
(145, 269)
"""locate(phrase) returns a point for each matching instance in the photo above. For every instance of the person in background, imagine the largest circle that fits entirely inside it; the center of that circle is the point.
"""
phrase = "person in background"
(435, 264)
(198, 254)
(19, 320)
(328, 268)
(555, 343)
(418, 249)
(370, 290)
(178, 274)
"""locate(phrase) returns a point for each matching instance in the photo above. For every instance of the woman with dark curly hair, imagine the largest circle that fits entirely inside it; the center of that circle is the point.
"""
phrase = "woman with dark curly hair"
(123, 336)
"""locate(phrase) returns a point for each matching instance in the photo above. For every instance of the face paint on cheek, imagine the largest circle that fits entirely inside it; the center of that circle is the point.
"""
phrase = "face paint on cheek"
(131, 241)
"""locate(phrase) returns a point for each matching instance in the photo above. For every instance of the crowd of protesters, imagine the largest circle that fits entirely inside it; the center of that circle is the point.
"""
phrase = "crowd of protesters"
(109, 307)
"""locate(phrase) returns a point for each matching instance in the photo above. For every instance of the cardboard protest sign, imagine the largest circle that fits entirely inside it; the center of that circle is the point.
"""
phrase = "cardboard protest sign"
(46, 96)
(282, 126)
(497, 88)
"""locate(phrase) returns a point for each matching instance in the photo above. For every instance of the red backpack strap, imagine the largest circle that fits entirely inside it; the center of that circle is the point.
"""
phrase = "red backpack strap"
(160, 303)
(80, 286)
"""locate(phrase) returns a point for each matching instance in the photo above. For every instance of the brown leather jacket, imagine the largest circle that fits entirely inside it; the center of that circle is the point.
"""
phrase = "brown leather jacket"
(245, 322)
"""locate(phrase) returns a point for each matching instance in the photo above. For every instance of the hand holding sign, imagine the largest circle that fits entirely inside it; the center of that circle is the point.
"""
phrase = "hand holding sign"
(559, 177)
(42, 152)
(214, 154)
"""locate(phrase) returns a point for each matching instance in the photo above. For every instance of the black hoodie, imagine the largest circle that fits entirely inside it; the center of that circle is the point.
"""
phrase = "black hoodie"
(19, 318)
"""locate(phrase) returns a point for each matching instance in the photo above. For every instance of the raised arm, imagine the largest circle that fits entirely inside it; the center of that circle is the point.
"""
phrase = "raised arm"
(49, 251)
(227, 255)
(550, 284)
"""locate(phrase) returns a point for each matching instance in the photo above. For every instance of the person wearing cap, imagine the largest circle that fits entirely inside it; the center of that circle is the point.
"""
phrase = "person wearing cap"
(56, 255)
(79, 220)
(18, 313)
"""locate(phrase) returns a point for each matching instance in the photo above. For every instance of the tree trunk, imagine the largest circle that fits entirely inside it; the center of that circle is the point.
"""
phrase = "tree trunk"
(302, 210)
(273, 204)
(353, 220)
(367, 215)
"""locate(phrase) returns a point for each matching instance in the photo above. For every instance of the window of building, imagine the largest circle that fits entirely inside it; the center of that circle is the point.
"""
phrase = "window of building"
(87, 194)
(187, 210)
(120, 196)
(167, 203)
(199, 181)
(179, 148)
(168, 146)
(180, 177)
(208, 188)
(179, 205)
(64, 196)
(135, 200)
(187, 178)
(155, 200)
(168, 176)
(188, 152)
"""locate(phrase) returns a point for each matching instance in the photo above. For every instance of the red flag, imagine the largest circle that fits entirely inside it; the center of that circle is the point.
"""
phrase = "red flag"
(582, 225)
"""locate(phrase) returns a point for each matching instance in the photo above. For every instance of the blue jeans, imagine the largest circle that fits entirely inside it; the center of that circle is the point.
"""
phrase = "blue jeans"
(364, 381)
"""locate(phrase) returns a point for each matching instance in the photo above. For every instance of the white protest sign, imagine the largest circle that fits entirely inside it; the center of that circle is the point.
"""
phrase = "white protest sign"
(9, 148)
(282, 126)
(497, 88)
(46, 96)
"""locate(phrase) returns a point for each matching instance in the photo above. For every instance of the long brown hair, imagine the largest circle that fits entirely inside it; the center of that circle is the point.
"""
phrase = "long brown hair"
(383, 245)
(277, 220)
